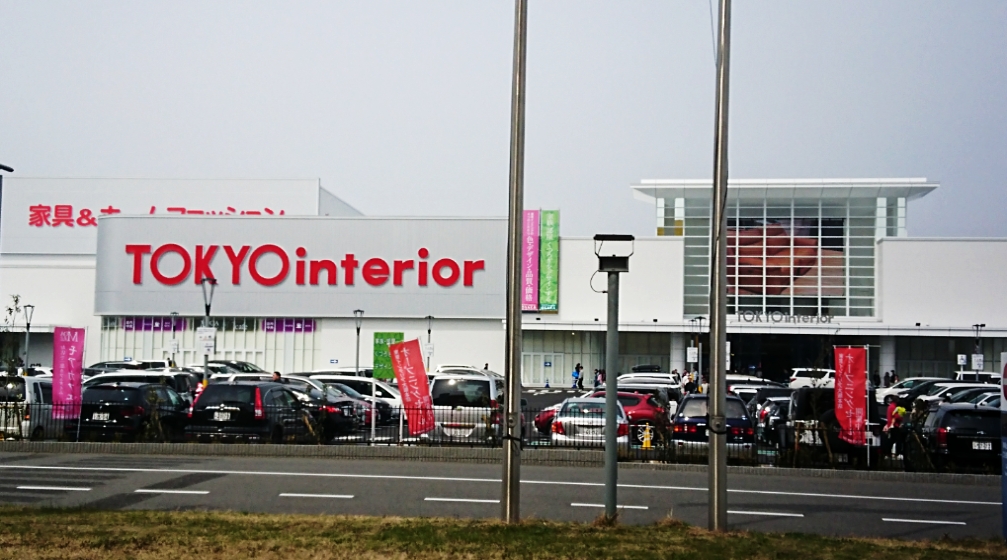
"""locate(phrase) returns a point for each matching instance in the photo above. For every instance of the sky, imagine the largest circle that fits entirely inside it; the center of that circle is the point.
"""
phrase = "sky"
(403, 107)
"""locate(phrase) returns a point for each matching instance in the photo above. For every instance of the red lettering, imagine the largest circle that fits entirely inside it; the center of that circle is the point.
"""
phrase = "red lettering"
(203, 261)
(138, 251)
(470, 269)
(155, 261)
(236, 260)
(375, 272)
(318, 266)
(423, 253)
(253, 262)
(450, 279)
(299, 273)
(400, 267)
(349, 263)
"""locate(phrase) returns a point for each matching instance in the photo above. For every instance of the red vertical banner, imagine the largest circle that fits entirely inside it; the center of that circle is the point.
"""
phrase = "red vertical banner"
(407, 363)
(851, 394)
(67, 368)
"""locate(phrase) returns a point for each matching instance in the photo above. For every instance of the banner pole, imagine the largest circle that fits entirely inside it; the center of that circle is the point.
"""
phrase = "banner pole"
(867, 403)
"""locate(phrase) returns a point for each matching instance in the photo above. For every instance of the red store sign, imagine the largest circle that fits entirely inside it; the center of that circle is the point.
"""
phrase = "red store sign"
(197, 263)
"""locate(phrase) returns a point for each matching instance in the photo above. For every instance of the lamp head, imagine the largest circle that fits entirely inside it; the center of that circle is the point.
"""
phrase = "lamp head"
(358, 317)
(29, 311)
(208, 285)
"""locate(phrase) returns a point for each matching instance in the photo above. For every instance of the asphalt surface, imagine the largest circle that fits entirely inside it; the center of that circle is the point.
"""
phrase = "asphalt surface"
(313, 486)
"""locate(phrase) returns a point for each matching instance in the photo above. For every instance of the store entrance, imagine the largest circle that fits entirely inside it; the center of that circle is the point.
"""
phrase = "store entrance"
(772, 356)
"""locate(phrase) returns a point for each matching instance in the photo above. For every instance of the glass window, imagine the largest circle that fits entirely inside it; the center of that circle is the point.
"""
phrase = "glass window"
(217, 394)
(111, 394)
(461, 392)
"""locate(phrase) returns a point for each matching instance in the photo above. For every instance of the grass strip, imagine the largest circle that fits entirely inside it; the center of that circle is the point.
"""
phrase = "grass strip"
(70, 534)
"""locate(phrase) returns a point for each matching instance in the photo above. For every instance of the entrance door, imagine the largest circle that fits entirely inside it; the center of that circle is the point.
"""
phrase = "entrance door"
(539, 368)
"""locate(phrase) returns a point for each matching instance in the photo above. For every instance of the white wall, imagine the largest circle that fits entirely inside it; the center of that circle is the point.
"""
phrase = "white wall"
(62, 291)
(652, 289)
(456, 341)
(952, 283)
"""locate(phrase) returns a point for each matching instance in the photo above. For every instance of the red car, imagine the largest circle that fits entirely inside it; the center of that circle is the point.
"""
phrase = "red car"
(643, 410)
(543, 420)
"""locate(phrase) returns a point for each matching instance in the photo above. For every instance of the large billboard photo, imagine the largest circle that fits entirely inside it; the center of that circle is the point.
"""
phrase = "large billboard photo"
(783, 257)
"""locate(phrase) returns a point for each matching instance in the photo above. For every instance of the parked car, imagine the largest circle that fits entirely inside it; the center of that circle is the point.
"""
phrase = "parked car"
(543, 420)
(26, 408)
(690, 432)
(182, 381)
(386, 414)
(667, 396)
(769, 416)
(812, 415)
(580, 422)
(987, 399)
(466, 407)
(364, 371)
(992, 378)
(937, 391)
(643, 412)
(105, 367)
(238, 365)
(969, 393)
(888, 394)
(766, 392)
(736, 379)
(248, 411)
(352, 410)
(812, 377)
(129, 411)
(958, 435)
(670, 378)
(363, 385)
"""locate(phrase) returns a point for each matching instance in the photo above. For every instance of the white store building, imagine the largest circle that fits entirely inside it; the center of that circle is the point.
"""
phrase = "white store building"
(814, 263)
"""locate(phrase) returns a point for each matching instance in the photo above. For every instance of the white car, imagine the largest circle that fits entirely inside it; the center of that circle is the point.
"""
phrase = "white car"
(812, 377)
(937, 390)
(884, 396)
(466, 408)
(365, 386)
(673, 378)
(581, 423)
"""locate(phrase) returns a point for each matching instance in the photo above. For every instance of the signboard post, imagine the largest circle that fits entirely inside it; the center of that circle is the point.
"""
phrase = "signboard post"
(206, 338)
(963, 360)
(406, 359)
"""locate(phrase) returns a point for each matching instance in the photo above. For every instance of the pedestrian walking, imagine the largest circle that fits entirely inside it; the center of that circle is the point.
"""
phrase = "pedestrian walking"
(576, 375)
(888, 379)
(580, 377)
(597, 378)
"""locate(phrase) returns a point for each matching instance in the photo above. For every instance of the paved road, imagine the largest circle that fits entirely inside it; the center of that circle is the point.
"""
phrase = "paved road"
(761, 503)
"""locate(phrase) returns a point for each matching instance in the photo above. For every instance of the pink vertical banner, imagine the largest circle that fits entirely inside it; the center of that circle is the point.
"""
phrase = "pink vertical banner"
(529, 261)
(67, 367)
(407, 363)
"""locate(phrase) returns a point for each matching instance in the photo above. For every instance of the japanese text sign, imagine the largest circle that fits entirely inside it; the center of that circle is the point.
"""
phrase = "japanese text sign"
(67, 367)
(382, 358)
(851, 394)
(407, 361)
(529, 261)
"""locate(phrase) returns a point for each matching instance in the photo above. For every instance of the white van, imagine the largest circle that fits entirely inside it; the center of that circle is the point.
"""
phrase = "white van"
(812, 377)
(26, 409)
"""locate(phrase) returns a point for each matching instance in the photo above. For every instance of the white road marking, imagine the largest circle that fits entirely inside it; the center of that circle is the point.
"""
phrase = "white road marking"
(926, 521)
(332, 496)
(156, 491)
(463, 500)
(770, 513)
(56, 488)
(496, 481)
(575, 504)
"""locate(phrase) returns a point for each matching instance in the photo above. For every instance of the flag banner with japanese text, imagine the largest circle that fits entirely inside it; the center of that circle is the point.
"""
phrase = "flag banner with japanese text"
(851, 394)
(407, 361)
(67, 367)
(530, 261)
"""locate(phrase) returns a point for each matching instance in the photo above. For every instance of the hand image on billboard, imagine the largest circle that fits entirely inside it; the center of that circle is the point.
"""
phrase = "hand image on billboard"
(770, 260)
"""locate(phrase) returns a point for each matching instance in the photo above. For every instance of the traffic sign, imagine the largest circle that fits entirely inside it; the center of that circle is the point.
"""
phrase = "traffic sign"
(692, 354)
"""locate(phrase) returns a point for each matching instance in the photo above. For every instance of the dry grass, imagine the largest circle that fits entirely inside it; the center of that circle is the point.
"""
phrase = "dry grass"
(67, 534)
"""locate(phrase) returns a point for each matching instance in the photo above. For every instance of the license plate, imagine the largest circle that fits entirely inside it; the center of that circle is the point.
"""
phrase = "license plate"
(221, 416)
(100, 416)
(982, 445)
(591, 431)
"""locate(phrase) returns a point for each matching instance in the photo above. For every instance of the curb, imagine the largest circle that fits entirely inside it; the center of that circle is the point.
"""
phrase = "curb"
(536, 457)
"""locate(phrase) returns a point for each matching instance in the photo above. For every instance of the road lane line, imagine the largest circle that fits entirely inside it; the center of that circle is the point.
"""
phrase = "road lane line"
(925, 521)
(56, 488)
(331, 496)
(463, 500)
(770, 513)
(497, 481)
(156, 491)
(575, 504)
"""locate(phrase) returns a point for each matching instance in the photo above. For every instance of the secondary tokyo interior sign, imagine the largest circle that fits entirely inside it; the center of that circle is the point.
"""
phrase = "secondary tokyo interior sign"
(302, 267)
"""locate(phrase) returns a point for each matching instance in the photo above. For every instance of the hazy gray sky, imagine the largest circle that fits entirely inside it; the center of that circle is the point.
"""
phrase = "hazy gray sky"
(402, 108)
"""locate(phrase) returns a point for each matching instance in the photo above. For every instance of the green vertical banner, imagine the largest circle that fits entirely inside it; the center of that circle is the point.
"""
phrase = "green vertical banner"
(548, 270)
(382, 359)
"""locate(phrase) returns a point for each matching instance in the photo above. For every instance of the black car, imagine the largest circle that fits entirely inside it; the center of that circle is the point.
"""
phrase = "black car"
(238, 365)
(336, 416)
(956, 436)
(386, 415)
(183, 382)
(129, 411)
(249, 411)
(690, 429)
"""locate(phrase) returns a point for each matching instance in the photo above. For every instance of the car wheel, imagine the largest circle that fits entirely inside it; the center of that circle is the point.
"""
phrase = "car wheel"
(277, 435)
(38, 434)
(639, 432)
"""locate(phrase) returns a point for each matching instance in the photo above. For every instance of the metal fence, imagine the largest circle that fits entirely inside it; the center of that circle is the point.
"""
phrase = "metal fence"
(797, 445)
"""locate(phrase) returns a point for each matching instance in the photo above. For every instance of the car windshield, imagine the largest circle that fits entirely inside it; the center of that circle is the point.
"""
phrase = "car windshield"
(12, 389)
(243, 367)
(973, 420)
(110, 394)
(217, 394)
(813, 373)
(348, 390)
(461, 392)
(980, 397)
(696, 408)
(937, 389)
(624, 400)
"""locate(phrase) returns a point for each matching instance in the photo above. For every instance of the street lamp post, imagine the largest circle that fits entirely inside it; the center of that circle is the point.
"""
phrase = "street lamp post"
(29, 311)
(430, 322)
(978, 347)
(174, 341)
(358, 319)
(208, 285)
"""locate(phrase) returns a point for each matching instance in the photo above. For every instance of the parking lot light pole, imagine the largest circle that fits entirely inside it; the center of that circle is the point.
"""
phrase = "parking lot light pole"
(358, 320)
(511, 491)
(174, 341)
(717, 399)
(430, 322)
(978, 349)
(209, 285)
(29, 311)
(613, 265)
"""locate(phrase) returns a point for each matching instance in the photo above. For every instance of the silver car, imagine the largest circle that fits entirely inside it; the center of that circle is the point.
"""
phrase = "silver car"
(26, 408)
(581, 423)
(466, 407)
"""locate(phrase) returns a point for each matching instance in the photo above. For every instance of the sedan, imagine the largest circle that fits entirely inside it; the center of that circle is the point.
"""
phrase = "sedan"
(581, 423)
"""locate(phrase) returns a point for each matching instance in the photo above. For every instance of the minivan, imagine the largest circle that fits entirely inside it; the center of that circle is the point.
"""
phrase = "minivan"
(466, 407)
(26, 408)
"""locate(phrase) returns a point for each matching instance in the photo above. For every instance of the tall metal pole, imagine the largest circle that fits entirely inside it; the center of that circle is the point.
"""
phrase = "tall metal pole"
(29, 311)
(511, 502)
(612, 396)
(718, 288)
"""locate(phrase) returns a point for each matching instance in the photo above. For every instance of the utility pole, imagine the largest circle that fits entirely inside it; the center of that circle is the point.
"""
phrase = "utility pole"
(511, 502)
(718, 287)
